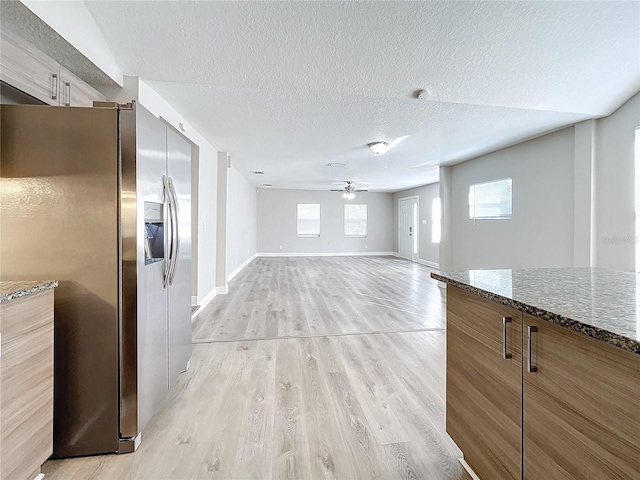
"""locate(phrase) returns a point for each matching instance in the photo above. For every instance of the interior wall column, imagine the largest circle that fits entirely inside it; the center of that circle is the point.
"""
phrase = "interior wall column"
(446, 239)
(224, 162)
(584, 242)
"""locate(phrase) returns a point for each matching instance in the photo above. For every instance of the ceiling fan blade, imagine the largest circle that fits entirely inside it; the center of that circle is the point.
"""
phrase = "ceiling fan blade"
(362, 190)
(337, 190)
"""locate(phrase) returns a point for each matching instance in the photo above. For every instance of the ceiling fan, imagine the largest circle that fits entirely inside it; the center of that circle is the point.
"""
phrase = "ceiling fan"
(349, 192)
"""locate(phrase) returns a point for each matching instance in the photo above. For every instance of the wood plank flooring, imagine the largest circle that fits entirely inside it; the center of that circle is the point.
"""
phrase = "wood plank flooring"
(269, 397)
(311, 296)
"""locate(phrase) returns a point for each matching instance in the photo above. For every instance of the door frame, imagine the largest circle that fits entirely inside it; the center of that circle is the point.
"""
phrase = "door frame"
(415, 251)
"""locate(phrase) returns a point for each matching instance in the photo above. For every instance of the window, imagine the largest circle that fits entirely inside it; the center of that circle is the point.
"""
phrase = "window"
(637, 201)
(436, 220)
(355, 220)
(308, 220)
(490, 200)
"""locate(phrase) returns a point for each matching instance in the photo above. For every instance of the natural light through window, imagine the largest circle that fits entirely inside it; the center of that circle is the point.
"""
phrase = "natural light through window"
(415, 228)
(355, 220)
(637, 165)
(308, 220)
(637, 205)
(490, 200)
(436, 221)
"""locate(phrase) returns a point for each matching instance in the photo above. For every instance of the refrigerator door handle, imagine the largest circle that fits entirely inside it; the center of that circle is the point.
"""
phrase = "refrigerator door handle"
(168, 231)
(175, 243)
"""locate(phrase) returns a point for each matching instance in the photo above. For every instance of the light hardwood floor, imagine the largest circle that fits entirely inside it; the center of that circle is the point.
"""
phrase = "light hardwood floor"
(310, 296)
(288, 381)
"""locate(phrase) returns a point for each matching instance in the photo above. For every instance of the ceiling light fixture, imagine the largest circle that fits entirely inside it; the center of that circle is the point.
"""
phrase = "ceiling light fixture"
(349, 191)
(379, 148)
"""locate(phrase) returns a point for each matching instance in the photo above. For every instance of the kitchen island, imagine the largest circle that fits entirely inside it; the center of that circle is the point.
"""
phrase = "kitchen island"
(543, 372)
(26, 377)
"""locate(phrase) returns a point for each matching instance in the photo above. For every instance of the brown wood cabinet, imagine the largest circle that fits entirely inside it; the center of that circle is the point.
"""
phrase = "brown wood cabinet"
(564, 406)
(484, 383)
(26, 385)
(28, 69)
(581, 407)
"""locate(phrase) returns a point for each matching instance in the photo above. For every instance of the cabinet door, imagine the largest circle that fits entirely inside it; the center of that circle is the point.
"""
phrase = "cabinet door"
(28, 69)
(484, 389)
(75, 92)
(581, 407)
(26, 384)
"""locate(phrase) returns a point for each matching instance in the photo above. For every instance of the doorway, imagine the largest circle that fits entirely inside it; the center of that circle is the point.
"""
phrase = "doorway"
(408, 215)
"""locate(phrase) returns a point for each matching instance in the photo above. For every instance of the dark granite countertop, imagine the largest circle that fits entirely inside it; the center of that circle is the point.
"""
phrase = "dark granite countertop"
(600, 303)
(19, 288)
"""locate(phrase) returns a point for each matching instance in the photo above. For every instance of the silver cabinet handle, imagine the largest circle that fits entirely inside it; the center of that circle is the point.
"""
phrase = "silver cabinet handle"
(67, 89)
(54, 86)
(505, 320)
(531, 368)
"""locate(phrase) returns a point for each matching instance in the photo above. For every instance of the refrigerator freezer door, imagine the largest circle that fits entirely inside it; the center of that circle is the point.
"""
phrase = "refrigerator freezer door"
(59, 215)
(179, 170)
(144, 362)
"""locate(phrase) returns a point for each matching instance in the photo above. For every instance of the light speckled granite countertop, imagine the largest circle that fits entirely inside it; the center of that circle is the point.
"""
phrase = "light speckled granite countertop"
(603, 304)
(19, 288)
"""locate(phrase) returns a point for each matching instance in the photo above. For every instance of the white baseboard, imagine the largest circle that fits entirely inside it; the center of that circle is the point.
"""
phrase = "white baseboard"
(194, 301)
(429, 264)
(222, 290)
(338, 254)
(205, 301)
(469, 470)
(426, 263)
(40, 476)
(239, 269)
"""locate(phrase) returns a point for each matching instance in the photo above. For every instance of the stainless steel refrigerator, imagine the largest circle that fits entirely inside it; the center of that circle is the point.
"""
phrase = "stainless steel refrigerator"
(100, 200)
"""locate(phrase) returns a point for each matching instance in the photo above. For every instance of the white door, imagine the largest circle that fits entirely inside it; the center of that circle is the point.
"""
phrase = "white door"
(408, 228)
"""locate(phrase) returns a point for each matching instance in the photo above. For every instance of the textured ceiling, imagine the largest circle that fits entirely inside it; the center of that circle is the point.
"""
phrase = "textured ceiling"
(287, 87)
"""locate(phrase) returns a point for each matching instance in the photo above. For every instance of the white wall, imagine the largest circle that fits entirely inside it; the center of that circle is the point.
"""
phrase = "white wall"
(277, 212)
(540, 232)
(241, 221)
(614, 187)
(427, 251)
(573, 200)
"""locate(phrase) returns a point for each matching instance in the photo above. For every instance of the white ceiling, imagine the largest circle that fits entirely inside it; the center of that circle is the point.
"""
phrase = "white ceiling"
(287, 87)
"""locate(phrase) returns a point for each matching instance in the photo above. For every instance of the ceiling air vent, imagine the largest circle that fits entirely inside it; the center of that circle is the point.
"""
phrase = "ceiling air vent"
(255, 172)
(340, 165)
(267, 185)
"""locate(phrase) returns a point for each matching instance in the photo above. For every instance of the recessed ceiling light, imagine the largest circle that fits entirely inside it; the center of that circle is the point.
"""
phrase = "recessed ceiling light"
(257, 173)
(336, 165)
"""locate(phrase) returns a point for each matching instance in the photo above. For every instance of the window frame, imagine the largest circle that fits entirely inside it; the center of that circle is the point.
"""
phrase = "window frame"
(308, 235)
(366, 220)
(491, 217)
